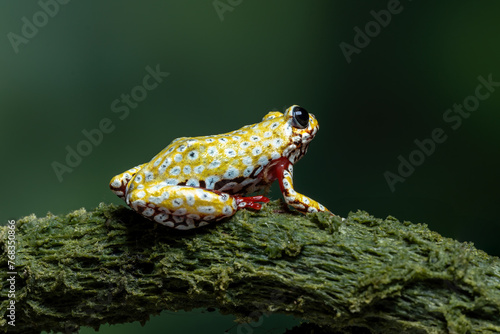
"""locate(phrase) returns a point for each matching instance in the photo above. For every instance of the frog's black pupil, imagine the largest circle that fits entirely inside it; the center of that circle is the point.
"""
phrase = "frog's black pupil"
(301, 116)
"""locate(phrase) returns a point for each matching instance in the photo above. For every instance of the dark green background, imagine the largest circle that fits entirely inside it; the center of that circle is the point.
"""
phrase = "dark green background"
(225, 74)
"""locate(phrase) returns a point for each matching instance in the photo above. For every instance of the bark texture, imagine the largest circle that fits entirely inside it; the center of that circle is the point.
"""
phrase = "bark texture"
(358, 275)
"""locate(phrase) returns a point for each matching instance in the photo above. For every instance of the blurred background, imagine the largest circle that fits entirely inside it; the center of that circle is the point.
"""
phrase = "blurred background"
(378, 75)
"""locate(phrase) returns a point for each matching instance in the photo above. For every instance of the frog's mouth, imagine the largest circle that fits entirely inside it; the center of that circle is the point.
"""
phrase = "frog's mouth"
(305, 136)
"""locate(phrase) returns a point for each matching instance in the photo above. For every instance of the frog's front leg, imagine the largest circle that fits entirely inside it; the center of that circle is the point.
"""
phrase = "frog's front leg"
(118, 184)
(184, 208)
(283, 171)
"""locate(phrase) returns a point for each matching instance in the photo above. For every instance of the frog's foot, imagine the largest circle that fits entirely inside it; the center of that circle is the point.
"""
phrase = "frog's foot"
(250, 202)
(283, 172)
(119, 183)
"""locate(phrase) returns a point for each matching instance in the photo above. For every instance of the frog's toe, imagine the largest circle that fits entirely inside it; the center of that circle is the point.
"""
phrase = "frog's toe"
(118, 184)
(251, 202)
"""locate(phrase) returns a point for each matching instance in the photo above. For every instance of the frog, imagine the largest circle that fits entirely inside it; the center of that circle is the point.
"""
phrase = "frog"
(196, 181)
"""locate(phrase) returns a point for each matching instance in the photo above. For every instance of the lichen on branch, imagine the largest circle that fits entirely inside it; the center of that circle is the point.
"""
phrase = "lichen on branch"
(110, 265)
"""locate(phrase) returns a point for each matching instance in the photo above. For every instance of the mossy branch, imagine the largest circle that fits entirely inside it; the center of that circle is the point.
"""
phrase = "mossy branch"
(112, 266)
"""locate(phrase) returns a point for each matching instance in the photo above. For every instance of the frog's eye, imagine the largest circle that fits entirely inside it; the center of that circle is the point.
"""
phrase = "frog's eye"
(300, 118)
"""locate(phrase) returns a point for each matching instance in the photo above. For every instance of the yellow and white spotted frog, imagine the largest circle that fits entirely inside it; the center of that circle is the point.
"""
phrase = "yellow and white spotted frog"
(198, 180)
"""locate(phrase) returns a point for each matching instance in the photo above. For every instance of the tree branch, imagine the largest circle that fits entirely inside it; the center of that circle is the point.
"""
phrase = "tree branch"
(110, 265)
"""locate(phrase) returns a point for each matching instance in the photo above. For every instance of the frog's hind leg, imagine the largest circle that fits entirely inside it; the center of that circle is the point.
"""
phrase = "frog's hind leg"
(118, 184)
(183, 207)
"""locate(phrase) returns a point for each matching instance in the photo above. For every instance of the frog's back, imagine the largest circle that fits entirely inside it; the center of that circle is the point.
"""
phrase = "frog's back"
(232, 162)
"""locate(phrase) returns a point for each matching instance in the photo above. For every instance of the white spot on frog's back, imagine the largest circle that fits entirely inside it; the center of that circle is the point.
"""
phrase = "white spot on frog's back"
(214, 164)
(248, 171)
(247, 161)
(211, 181)
(193, 155)
(223, 140)
(277, 142)
(164, 165)
(157, 162)
(263, 161)
(255, 138)
(149, 176)
(274, 125)
(198, 169)
(171, 182)
(230, 152)
(257, 150)
(212, 151)
(175, 170)
(193, 183)
(231, 173)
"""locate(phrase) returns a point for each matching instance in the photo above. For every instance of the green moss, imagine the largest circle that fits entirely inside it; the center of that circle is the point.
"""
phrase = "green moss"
(112, 266)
